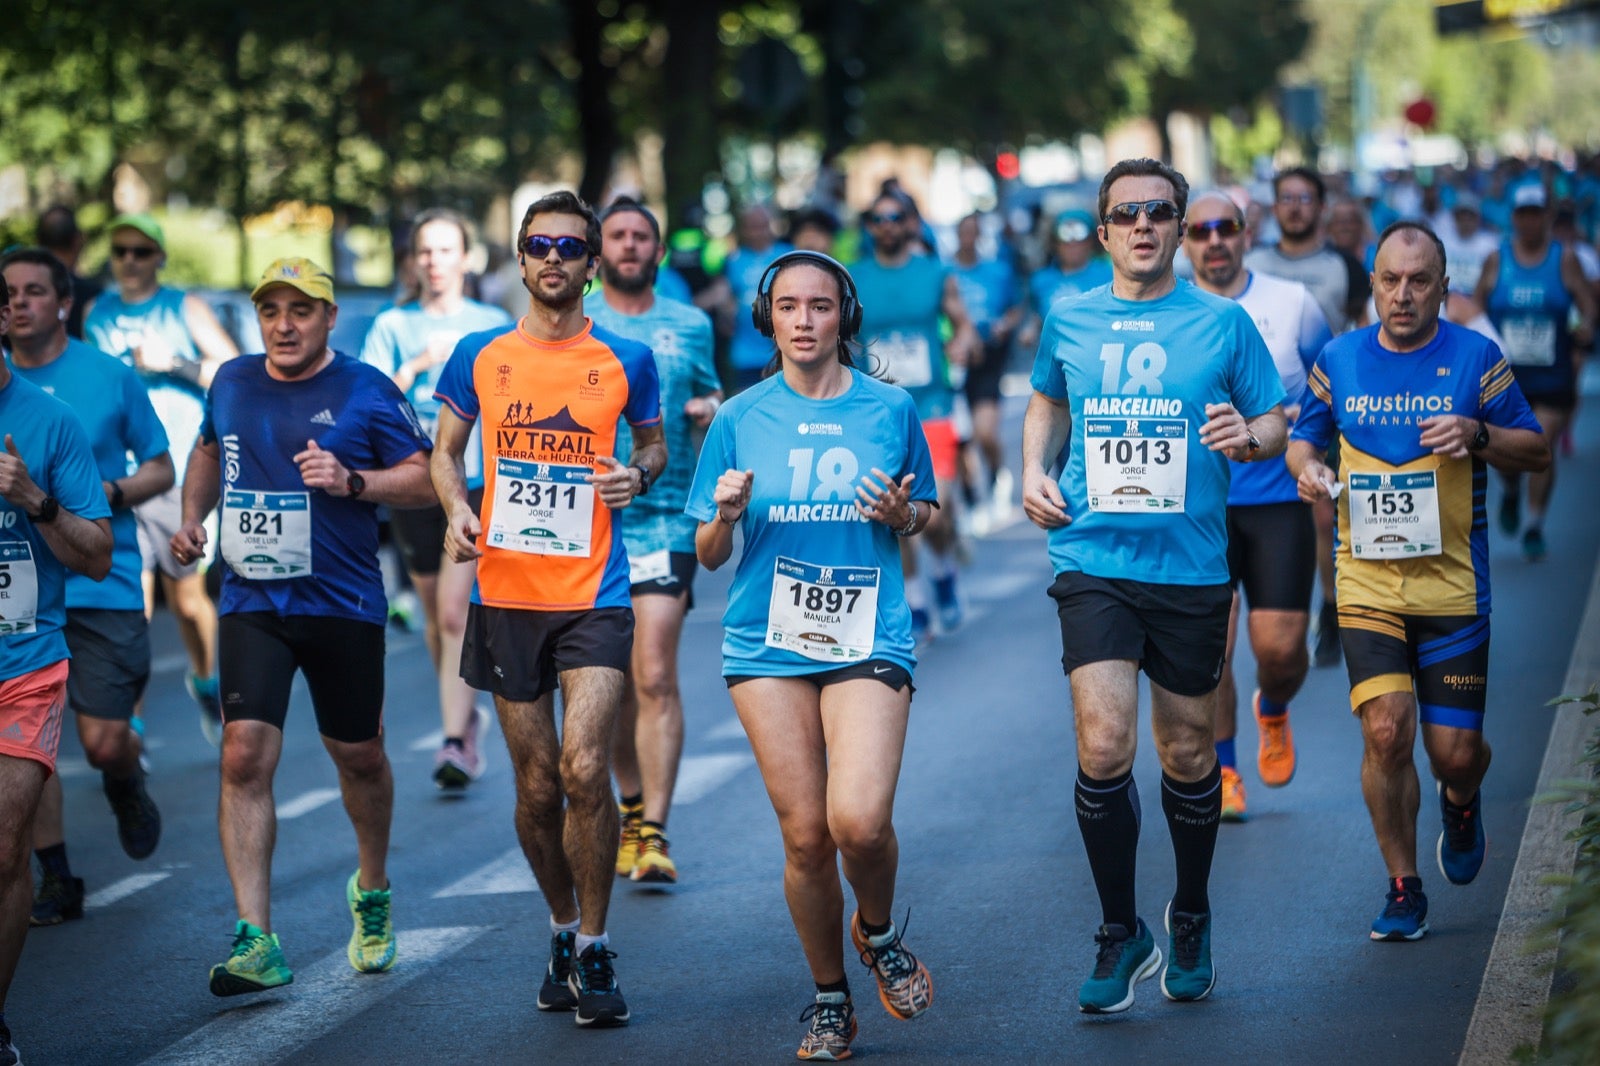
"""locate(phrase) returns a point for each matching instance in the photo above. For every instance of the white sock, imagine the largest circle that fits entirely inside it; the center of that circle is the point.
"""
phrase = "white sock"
(585, 941)
(558, 927)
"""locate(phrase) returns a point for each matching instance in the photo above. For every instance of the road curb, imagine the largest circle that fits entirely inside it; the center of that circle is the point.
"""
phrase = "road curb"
(1516, 982)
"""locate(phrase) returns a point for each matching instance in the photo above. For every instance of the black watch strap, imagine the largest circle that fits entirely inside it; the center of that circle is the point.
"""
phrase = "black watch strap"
(644, 478)
(1480, 439)
(355, 484)
(48, 509)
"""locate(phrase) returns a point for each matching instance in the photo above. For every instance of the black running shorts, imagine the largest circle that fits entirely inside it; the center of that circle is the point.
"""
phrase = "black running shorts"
(419, 535)
(894, 675)
(520, 655)
(1272, 552)
(1443, 660)
(258, 653)
(678, 581)
(110, 661)
(1176, 633)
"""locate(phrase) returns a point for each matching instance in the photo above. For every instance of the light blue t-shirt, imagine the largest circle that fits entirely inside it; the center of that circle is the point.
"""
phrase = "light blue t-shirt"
(814, 574)
(748, 350)
(1147, 499)
(33, 601)
(679, 336)
(116, 414)
(116, 328)
(1051, 283)
(988, 289)
(900, 309)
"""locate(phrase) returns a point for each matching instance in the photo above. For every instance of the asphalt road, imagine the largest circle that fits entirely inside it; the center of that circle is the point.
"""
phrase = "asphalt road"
(1000, 899)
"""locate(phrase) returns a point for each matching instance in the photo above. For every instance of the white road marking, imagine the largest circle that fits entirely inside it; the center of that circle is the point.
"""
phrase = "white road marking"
(323, 996)
(507, 874)
(121, 890)
(700, 775)
(306, 802)
(430, 742)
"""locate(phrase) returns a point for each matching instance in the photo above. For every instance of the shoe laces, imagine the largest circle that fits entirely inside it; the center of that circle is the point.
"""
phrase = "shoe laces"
(828, 1018)
(655, 843)
(594, 969)
(891, 961)
(1459, 829)
(1109, 953)
(372, 909)
(246, 942)
(1187, 938)
(561, 956)
(1275, 735)
(1402, 903)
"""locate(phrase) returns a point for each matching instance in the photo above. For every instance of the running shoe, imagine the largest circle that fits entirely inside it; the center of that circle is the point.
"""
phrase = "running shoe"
(472, 744)
(1510, 514)
(1533, 546)
(594, 983)
(59, 899)
(1405, 912)
(1121, 961)
(630, 814)
(1275, 758)
(255, 965)
(555, 993)
(1462, 844)
(138, 820)
(948, 601)
(1189, 975)
(9, 1055)
(1232, 795)
(833, 1026)
(451, 771)
(372, 944)
(904, 985)
(654, 865)
(205, 693)
(1327, 650)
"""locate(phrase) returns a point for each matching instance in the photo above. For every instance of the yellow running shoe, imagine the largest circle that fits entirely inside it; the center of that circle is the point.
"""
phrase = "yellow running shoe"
(372, 946)
(255, 964)
(628, 849)
(1232, 795)
(654, 866)
(1275, 759)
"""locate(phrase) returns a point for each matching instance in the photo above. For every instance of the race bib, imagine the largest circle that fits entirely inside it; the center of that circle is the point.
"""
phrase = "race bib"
(1394, 516)
(541, 509)
(652, 566)
(1529, 341)
(19, 588)
(1136, 464)
(826, 613)
(905, 359)
(266, 536)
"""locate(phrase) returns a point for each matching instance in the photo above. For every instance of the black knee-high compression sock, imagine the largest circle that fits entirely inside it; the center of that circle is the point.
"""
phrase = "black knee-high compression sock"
(1108, 818)
(1193, 810)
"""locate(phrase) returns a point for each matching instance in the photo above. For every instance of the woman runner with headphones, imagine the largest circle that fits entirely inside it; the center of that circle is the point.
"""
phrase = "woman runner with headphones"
(823, 467)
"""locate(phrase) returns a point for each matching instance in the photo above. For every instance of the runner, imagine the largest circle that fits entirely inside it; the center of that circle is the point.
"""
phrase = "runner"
(53, 519)
(1076, 265)
(106, 629)
(1272, 543)
(658, 535)
(410, 343)
(902, 298)
(1530, 286)
(1419, 406)
(747, 350)
(300, 445)
(176, 343)
(1150, 379)
(551, 607)
(822, 467)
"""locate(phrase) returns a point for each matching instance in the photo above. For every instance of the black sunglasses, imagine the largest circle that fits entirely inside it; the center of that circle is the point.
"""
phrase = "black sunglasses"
(1127, 214)
(538, 246)
(142, 251)
(874, 219)
(1222, 227)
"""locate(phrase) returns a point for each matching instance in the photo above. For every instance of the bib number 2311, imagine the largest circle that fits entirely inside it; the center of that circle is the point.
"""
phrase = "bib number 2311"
(541, 508)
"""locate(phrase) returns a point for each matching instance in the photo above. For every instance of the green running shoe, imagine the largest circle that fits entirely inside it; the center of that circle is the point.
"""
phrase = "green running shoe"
(1122, 960)
(255, 965)
(372, 946)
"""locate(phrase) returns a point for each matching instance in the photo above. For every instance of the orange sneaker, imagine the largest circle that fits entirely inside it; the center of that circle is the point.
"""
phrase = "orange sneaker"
(1275, 760)
(1232, 795)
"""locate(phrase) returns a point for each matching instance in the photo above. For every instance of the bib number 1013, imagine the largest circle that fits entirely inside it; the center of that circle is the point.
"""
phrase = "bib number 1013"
(1126, 451)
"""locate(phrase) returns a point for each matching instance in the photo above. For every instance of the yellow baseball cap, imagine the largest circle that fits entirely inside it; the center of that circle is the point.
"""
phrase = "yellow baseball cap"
(297, 273)
(141, 223)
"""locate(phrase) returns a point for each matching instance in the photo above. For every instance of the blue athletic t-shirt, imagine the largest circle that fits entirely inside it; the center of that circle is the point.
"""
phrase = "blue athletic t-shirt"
(679, 336)
(900, 310)
(1529, 308)
(1051, 283)
(115, 411)
(748, 349)
(116, 328)
(1147, 499)
(33, 602)
(988, 289)
(817, 586)
(274, 528)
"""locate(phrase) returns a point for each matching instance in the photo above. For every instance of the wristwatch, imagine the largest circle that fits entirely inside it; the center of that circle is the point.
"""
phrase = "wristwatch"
(48, 509)
(355, 484)
(1251, 443)
(1480, 439)
(644, 478)
(116, 496)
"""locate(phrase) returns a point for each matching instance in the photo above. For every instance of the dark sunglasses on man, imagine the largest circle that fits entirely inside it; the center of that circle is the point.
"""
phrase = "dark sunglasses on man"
(538, 246)
(137, 251)
(1127, 214)
(1200, 232)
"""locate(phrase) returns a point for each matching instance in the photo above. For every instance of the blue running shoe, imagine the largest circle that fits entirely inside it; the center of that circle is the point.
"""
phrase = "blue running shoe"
(1533, 546)
(948, 600)
(1189, 974)
(1405, 911)
(1462, 844)
(1122, 961)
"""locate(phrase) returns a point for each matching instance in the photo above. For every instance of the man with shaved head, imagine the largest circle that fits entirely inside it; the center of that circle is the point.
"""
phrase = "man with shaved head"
(1418, 407)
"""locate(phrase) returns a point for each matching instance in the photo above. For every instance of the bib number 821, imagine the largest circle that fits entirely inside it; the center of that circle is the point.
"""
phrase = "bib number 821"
(260, 523)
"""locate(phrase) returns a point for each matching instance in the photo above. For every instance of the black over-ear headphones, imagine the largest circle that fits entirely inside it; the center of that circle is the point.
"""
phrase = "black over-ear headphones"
(849, 303)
